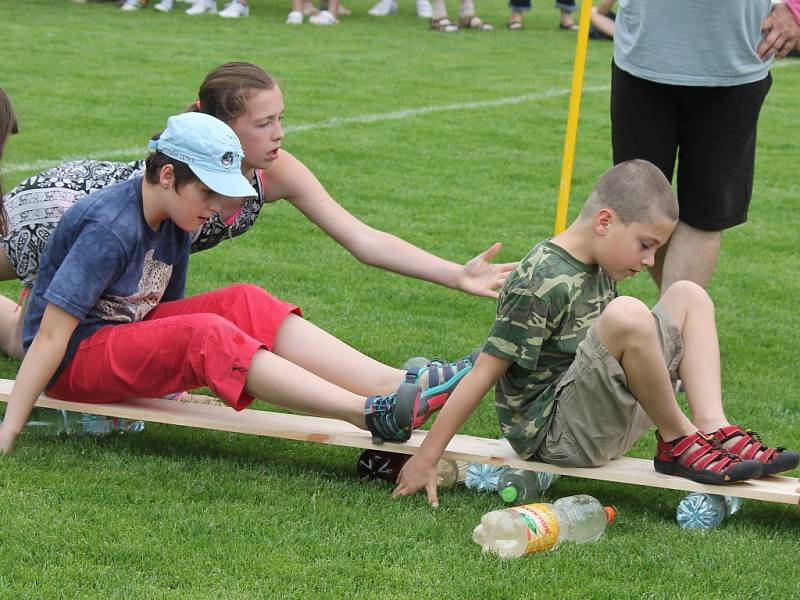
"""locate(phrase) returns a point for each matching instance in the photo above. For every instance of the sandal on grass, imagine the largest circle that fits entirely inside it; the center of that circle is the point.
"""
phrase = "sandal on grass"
(514, 25)
(444, 25)
(570, 27)
(474, 22)
(748, 445)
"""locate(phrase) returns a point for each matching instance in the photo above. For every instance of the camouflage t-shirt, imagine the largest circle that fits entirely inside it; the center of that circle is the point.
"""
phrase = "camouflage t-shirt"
(545, 310)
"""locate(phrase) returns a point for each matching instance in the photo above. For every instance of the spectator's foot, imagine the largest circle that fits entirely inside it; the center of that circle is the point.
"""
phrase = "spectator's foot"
(131, 5)
(474, 22)
(747, 444)
(165, 6)
(234, 10)
(309, 9)
(295, 18)
(343, 11)
(323, 18)
(202, 7)
(443, 25)
(384, 8)
(389, 418)
(424, 9)
(514, 25)
(700, 458)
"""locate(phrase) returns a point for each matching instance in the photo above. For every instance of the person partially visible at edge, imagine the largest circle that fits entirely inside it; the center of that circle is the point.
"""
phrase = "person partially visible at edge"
(581, 373)
(681, 90)
(250, 101)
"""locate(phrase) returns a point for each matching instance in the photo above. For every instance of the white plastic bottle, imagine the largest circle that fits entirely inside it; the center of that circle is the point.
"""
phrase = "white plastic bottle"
(483, 478)
(521, 530)
(519, 486)
(57, 421)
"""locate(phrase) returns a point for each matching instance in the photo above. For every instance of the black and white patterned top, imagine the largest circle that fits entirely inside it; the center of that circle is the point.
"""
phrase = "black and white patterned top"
(36, 205)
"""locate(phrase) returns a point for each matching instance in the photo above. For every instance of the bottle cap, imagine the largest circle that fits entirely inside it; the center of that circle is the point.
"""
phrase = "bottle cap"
(509, 493)
(611, 513)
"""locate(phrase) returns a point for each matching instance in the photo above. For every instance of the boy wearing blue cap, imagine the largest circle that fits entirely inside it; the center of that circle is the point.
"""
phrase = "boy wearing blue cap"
(107, 319)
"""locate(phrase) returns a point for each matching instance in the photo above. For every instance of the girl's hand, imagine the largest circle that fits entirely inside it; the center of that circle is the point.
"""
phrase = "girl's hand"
(483, 278)
(416, 474)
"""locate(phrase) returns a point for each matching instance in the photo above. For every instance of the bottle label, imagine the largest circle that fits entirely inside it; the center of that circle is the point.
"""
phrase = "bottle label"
(542, 526)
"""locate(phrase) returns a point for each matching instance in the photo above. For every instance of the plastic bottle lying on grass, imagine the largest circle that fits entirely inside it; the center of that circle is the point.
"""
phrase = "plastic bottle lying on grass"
(519, 486)
(59, 421)
(705, 511)
(521, 530)
(483, 478)
(377, 465)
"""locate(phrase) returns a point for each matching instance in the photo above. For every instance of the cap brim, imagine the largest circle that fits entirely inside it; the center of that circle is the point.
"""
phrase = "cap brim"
(234, 184)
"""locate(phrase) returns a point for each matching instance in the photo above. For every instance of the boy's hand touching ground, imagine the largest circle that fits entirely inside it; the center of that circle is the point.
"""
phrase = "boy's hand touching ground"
(416, 474)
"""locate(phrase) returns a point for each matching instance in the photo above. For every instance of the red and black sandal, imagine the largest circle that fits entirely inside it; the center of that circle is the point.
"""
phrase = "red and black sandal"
(708, 463)
(749, 444)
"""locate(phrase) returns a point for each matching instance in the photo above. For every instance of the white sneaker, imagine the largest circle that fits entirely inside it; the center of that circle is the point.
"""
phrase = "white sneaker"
(234, 10)
(323, 18)
(384, 8)
(201, 7)
(295, 18)
(131, 5)
(165, 6)
(424, 9)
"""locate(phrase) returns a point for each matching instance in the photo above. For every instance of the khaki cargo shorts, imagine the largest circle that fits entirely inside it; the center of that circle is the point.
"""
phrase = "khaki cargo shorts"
(596, 417)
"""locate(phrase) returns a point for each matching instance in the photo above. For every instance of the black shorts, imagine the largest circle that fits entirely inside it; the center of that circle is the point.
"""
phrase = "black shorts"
(712, 130)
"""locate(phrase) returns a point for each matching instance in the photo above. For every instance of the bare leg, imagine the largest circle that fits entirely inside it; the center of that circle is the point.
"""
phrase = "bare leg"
(275, 380)
(693, 312)
(691, 254)
(317, 351)
(11, 316)
(627, 330)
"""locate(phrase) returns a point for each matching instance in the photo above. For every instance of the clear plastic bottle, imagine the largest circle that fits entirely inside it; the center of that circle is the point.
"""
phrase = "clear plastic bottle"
(483, 478)
(521, 530)
(58, 421)
(518, 486)
(705, 511)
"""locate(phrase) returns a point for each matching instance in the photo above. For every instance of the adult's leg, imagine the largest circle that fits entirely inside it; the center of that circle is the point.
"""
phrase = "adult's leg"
(717, 141)
(644, 124)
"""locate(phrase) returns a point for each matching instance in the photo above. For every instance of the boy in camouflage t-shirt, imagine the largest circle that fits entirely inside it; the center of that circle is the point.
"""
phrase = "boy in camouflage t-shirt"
(581, 373)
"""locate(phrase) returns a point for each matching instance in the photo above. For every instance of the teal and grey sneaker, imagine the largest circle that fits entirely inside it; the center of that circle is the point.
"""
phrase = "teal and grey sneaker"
(390, 417)
(442, 379)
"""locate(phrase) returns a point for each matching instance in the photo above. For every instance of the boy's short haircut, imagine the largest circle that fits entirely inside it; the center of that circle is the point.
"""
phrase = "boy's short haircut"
(636, 190)
(156, 160)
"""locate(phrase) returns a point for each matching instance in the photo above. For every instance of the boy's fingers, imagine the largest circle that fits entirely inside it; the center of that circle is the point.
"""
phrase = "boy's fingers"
(432, 497)
(492, 251)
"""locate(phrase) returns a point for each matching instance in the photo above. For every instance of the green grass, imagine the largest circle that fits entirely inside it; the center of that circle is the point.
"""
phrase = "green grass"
(178, 513)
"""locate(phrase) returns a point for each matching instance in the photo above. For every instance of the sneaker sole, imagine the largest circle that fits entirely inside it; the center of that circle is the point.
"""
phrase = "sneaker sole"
(747, 469)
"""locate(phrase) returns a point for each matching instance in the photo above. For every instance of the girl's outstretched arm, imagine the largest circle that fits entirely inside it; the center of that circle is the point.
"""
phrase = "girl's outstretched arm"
(290, 179)
(38, 367)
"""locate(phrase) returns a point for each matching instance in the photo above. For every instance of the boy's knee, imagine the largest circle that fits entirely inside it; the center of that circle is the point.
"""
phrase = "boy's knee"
(627, 315)
(690, 294)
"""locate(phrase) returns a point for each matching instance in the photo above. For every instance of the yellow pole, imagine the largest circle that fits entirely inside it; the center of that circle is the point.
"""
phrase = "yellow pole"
(572, 116)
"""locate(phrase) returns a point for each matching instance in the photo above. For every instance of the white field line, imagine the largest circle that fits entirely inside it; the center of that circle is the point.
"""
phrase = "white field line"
(328, 124)
(340, 121)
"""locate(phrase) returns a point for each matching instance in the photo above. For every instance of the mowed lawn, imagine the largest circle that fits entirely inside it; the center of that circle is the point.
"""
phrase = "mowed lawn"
(453, 142)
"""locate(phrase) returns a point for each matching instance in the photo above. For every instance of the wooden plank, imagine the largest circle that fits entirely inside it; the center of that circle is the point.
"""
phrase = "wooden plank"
(467, 448)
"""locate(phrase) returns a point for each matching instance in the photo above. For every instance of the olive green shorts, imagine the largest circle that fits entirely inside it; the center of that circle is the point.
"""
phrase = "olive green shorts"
(596, 417)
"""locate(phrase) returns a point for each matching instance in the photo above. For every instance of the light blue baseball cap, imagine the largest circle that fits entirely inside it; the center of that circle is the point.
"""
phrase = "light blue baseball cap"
(209, 148)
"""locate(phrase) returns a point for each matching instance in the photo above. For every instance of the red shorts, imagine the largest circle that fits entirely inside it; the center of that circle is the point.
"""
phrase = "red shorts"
(206, 340)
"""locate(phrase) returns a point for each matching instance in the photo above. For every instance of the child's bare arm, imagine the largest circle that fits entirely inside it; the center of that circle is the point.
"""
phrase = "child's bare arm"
(38, 366)
(421, 471)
